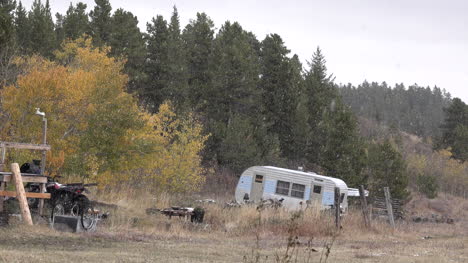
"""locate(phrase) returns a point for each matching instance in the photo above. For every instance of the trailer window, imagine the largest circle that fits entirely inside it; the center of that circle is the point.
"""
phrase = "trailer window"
(258, 178)
(317, 189)
(298, 190)
(282, 188)
(342, 198)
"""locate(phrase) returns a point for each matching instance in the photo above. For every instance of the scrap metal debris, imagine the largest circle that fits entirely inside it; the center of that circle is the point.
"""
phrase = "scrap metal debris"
(196, 214)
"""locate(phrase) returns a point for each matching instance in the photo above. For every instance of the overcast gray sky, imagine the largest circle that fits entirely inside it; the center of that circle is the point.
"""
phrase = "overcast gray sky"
(398, 41)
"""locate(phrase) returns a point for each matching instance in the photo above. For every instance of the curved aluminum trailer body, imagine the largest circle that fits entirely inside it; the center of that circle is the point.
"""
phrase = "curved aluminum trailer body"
(297, 188)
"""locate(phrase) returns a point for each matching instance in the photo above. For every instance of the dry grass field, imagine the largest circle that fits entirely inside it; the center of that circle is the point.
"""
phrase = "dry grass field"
(241, 235)
(406, 244)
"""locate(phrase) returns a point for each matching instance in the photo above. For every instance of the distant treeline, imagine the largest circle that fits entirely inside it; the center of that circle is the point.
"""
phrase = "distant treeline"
(256, 101)
(415, 109)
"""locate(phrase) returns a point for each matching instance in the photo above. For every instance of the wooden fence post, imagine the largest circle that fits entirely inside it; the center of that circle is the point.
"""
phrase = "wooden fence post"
(388, 202)
(21, 194)
(2, 168)
(365, 210)
(337, 208)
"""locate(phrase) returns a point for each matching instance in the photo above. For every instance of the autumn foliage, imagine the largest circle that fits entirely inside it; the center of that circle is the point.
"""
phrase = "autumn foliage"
(95, 127)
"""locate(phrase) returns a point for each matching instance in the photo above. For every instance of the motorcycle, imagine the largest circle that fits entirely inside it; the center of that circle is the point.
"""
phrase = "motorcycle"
(65, 199)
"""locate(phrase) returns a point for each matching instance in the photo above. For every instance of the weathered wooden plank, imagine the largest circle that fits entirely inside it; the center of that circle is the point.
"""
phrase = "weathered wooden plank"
(28, 194)
(27, 146)
(23, 174)
(5, 177)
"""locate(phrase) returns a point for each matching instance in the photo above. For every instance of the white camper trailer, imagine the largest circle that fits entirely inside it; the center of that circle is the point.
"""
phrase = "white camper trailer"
(297, 188)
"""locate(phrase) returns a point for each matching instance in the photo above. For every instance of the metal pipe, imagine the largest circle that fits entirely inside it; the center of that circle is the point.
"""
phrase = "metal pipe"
(44, 142)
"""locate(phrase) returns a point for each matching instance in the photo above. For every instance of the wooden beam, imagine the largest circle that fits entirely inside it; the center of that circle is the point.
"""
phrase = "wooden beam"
(28, 194)
(27, 146)
(21, 194)
(6, 177)
(22, 174)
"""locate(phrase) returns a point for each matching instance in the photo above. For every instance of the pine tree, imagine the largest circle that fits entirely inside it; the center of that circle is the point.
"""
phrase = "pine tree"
(342, 150)
(7, 28)
(22, 29)
(155, 91)
(101, 22)
(321, 96)
(178, 76)
(296, 149)
(76, 21)
(127, 41)
(282, 89)
(333, 143)
(239, 149)
(198, 44)
(59, 32)
(460, 143)
(42, 29)
(235, 97)
(275, 85)
(387, 169)
(7, 42)
(236, 72)
(454, 129)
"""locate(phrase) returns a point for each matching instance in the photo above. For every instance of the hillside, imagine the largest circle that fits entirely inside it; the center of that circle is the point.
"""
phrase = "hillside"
(413, 109)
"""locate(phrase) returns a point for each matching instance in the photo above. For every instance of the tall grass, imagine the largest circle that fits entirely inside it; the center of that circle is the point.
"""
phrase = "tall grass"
(241, 221)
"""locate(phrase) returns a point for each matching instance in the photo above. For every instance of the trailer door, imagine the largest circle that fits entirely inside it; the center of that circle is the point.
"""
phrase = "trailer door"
(257, 188)
(316, 193)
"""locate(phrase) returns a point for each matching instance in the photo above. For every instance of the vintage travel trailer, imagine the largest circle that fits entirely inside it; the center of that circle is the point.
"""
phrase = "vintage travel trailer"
(296, 189)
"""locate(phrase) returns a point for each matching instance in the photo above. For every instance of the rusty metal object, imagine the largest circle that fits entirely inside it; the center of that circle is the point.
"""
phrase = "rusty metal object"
(196, 214)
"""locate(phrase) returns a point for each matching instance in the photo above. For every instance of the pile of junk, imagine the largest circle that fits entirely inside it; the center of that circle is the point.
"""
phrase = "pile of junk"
(69, 207)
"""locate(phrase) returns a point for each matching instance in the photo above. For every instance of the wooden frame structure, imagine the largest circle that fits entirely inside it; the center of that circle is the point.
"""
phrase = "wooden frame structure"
(7, 177)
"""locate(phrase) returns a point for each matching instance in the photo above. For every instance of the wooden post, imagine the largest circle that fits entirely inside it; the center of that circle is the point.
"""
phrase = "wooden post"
(337, 208)
(41, 201)
(2, 198)
(44, 142)
(365, 210)
(2, 168)
(21, 194)
(2, 160)
(388, 202)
